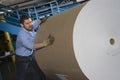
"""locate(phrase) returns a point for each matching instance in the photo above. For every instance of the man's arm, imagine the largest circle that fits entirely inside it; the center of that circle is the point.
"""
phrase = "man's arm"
(37, 23)
(30, 44)
(39, 45)
(47, 42)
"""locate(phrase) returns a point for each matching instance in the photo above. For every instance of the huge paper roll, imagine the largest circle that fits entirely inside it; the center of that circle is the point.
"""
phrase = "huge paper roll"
(87, 43)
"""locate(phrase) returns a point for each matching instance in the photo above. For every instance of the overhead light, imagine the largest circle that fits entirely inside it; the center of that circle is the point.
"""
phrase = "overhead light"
(1, 12)
(9, 10)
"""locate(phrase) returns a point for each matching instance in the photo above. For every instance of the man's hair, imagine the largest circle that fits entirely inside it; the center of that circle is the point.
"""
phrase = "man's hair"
(24, 17)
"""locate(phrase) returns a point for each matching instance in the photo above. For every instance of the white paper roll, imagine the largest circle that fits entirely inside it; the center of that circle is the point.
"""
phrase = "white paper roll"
(96, 40)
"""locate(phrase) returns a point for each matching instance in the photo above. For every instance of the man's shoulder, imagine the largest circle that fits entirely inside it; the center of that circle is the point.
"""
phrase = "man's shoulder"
(22, 32)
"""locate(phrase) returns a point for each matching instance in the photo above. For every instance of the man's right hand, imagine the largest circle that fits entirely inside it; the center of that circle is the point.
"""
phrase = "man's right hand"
(49, 41)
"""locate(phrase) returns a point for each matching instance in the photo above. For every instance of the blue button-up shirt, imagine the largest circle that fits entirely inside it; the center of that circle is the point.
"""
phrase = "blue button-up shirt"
(25, 40)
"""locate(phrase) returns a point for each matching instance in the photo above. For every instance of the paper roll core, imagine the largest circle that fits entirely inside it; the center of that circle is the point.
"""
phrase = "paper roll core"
(112, 41)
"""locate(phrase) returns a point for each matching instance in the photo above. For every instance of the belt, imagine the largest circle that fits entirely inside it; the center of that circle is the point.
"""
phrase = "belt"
(24, 58)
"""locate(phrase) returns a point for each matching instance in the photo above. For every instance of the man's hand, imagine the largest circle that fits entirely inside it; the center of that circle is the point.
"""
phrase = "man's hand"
(49, 40)
(43, 20)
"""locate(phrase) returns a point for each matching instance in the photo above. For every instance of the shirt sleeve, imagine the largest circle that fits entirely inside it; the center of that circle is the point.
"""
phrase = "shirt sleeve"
(36, 24)
(27, 42)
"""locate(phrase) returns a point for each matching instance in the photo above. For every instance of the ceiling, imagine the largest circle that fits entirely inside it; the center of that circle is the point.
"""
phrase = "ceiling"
(9, 5)
(25, 3)
(21, 3)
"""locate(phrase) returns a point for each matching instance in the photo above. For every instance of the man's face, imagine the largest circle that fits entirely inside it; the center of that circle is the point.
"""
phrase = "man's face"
(27, 24)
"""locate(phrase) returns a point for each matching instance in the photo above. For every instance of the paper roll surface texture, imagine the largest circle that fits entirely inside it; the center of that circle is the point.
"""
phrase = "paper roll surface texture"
(87, 42)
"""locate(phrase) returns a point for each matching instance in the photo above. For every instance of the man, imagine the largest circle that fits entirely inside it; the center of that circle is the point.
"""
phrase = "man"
(25, 46)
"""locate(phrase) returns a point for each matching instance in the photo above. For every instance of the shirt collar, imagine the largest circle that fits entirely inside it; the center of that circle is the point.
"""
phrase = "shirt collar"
(26, 30)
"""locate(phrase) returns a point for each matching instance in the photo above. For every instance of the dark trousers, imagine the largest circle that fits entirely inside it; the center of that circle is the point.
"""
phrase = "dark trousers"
(27, 68)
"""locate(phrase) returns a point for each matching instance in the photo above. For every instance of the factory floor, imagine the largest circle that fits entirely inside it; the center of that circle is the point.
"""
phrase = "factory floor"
(7, 71)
